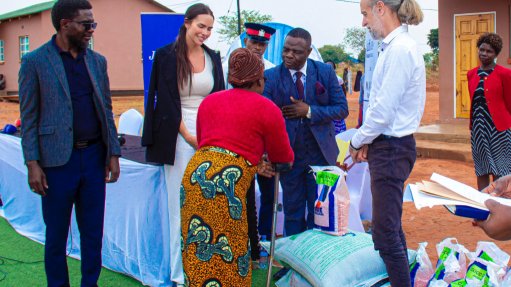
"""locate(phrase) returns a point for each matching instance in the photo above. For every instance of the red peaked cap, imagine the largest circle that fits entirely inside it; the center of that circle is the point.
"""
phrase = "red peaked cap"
(259, 32)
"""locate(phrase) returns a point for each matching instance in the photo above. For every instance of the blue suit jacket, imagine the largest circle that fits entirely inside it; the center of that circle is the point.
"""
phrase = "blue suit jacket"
(47, 111)
(325, 107)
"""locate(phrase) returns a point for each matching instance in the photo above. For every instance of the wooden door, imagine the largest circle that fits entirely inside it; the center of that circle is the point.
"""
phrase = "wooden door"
(468, 30)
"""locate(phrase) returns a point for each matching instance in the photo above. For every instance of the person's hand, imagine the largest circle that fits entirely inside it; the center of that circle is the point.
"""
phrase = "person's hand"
(36, 178)
(498, 224)
(297, 110)
(501, 187)
(113, 170)
(265, 168)
(192, 141)
(359, 155)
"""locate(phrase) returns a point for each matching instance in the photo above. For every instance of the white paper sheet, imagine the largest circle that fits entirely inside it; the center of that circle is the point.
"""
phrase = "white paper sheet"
(466, 191)
(421, 199)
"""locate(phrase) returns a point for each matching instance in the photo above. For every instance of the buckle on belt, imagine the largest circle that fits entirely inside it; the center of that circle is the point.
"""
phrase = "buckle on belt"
(84, 144)
(81, 144)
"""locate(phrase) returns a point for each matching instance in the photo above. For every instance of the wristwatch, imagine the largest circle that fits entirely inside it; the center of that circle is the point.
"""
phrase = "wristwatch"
(354, 148)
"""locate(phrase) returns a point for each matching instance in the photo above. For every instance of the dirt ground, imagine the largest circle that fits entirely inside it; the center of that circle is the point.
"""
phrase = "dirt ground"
(430, 225)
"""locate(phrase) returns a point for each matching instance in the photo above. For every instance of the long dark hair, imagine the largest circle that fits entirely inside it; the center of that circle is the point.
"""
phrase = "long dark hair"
(184, 67)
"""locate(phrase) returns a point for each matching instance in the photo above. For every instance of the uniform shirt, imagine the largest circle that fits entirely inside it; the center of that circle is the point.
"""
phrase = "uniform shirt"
(398, 91)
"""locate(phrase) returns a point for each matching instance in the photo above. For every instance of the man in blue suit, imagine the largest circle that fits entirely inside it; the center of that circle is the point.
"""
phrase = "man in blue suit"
(310, 98)
(69, 138)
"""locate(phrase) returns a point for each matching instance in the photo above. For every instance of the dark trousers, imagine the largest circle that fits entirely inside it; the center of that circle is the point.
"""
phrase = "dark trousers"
(390, 162)
(298, 184)
(267, 189)
(81, 181)
(253, 236)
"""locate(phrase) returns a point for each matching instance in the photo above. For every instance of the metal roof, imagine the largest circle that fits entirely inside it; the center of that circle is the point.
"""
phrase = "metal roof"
(37, 8)
(33, 9)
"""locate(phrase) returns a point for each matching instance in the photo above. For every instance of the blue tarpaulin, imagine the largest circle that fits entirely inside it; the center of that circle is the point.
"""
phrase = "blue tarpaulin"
(274, 51)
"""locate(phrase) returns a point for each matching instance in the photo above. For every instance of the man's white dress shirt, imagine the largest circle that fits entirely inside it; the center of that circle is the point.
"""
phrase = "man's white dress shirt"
(398, 91)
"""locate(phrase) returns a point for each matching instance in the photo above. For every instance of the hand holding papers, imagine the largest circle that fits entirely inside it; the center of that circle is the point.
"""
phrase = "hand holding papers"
(448, 192)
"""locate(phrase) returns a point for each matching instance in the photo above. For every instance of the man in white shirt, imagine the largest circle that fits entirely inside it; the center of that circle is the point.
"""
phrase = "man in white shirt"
(385, 139)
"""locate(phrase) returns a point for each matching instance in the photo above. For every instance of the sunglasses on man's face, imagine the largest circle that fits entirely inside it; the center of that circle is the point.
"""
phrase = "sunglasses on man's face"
(87, 25)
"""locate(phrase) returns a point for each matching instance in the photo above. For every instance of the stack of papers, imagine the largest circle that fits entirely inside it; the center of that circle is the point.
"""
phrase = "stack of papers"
(442, 190)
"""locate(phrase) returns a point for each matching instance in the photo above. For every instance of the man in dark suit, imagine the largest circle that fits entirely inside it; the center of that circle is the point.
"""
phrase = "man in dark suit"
(69, 138)
(310, 97)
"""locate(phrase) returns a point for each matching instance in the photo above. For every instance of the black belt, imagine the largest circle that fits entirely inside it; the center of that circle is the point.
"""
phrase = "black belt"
(85, 143)
(383, 137)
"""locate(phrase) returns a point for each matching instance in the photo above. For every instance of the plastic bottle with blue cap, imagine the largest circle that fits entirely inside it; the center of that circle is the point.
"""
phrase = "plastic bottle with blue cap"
(263, 254)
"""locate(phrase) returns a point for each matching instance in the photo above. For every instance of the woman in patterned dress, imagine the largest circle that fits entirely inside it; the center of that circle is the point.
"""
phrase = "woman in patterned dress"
(184, 73)
(234, 128)
(490, 116)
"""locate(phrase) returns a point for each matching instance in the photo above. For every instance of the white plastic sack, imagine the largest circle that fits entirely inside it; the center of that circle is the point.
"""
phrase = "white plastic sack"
(421, 269)
(332, 204)
(438, 283)
(332, 261)
(452, 261)
(487, 267)
(292, 279)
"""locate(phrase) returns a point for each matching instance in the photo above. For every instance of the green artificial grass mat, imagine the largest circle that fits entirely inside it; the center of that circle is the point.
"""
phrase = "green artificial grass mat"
(21, 265)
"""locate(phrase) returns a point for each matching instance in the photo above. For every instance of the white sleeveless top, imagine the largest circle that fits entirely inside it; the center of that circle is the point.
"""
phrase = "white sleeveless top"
(202, 84)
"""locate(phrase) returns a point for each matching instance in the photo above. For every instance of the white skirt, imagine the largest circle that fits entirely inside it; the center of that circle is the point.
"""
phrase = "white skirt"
(173, 176)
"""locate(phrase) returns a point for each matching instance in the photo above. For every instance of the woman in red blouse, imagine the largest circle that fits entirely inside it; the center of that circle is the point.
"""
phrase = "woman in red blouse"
(490, 114)
(234, 128)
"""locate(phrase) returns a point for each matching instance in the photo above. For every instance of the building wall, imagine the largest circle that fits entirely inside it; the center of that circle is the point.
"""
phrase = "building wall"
(447, 10)
(117, 37)
(10, 31)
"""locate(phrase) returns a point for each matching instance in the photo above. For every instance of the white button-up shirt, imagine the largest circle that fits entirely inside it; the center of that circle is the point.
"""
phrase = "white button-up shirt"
(398, 91)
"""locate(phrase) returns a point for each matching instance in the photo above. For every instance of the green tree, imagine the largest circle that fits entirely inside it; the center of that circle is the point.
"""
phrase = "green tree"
(433, 40)
(334, 53)
(229, 30)
(362, 56)
(431, 60)
(355, 39)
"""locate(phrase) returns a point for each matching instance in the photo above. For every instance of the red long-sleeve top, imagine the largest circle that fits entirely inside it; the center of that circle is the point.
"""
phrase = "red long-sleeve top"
(246, 123)
(497, 91)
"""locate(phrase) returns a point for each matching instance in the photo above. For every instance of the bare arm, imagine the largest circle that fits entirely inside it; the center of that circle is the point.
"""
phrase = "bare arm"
(189, 138)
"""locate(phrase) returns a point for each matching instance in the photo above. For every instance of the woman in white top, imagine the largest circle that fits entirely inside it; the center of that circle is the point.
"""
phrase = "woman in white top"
(183, 74)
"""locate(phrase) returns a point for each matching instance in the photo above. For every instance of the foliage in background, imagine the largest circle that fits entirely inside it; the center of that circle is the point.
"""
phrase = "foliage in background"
(431, 59)
(334, 53)
(229, 23)
(355, 39)
(362, 56)
(433, 40)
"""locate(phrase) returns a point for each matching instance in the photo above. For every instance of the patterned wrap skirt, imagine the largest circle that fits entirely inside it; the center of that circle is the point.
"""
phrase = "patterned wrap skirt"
(215, 243)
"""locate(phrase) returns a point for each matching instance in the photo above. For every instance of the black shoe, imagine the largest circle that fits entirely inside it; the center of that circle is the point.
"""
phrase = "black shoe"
(281, 273)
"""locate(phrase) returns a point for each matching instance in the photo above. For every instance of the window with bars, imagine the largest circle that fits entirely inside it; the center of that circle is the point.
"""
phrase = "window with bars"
(24, 46)
(2, 55)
